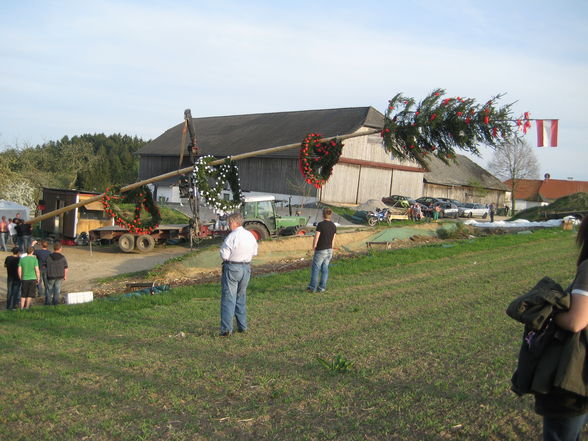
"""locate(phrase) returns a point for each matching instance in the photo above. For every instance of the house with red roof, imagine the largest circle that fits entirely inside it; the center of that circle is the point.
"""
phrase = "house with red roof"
(536, 192)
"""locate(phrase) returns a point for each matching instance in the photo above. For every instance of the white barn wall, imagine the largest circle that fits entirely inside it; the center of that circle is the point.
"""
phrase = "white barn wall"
(357, 183)
(374, 183)
(407, 183)
(342, 186)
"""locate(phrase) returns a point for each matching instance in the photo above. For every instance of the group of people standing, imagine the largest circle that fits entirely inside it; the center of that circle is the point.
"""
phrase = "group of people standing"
(19, 233)
(36, 271)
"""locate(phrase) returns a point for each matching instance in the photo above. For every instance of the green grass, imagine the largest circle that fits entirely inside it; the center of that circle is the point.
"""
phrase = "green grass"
(429, 347)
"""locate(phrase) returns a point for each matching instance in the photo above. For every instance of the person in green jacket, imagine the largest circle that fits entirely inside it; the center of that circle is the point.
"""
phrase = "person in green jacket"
(565, 414)
(30, 275)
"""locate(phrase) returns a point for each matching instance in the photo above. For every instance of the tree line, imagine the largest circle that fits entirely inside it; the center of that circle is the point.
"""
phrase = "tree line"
(88, 162)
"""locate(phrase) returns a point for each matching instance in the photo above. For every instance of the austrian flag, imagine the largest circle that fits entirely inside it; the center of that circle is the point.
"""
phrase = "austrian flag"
(547, 132)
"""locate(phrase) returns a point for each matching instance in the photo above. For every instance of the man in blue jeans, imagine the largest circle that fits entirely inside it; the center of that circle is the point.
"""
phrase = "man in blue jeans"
(324, 238)
(56, 273)
(237, 250)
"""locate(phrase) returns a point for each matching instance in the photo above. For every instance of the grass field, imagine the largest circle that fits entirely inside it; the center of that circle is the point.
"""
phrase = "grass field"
(431, 348)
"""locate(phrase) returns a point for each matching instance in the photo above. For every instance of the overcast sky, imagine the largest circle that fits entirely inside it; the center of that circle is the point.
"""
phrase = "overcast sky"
(132, 67)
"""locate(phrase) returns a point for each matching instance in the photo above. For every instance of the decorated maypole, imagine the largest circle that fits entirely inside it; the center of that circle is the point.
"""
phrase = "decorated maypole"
(437, 126)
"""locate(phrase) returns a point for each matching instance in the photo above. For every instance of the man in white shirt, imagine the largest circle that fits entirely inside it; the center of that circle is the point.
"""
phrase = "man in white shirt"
(236, 252)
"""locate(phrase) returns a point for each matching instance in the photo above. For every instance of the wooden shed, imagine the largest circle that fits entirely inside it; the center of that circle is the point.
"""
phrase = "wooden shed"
(70, 224)
(365, 170)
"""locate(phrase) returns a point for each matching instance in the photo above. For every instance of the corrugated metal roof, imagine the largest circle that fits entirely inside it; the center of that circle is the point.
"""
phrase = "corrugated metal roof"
(462, 171)
(237, 134)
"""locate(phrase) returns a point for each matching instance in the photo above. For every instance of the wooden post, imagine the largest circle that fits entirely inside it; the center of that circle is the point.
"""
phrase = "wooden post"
(185, 170)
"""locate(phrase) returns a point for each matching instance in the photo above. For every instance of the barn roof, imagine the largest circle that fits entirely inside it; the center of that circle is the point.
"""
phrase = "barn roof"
(236, 134)
(462, 171)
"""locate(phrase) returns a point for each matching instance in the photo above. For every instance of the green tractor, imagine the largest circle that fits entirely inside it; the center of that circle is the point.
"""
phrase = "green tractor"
(260, 217)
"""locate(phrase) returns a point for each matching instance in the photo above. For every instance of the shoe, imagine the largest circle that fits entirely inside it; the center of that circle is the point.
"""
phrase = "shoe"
(321, 290)
(242, 331)
(309, 290)
(225, 334)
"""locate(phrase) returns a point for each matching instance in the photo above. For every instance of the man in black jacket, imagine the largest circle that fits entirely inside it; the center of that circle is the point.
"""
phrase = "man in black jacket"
(56, 273)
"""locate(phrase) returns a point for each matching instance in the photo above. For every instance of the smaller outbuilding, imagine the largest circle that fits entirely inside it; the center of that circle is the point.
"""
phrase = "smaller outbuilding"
(464, 180)
(10, 209)
(70, 224)
(536, 192)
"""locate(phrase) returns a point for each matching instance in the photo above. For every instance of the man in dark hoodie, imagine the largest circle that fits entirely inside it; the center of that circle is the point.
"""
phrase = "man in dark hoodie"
(56, 273)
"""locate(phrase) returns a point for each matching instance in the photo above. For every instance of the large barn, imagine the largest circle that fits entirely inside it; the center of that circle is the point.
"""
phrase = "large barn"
(365, 171)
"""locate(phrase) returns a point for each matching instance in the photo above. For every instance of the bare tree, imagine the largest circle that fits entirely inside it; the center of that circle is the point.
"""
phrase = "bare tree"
(514, 161)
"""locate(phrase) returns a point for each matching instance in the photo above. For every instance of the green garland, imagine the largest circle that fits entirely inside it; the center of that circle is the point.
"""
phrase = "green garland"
(142, 198)
(224, 173)
(317, 159)
(440, 125)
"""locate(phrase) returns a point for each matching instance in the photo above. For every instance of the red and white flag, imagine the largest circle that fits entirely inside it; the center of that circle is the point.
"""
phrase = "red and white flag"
(547, 132)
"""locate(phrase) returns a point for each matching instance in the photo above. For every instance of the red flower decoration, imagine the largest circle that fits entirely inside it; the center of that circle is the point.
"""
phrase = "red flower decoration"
(316, 163)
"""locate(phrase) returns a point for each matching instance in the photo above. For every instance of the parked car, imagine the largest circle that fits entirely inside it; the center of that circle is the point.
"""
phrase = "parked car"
(451, 201)
(474, 210)
(429, 201)
(449, 210)
(397, 200)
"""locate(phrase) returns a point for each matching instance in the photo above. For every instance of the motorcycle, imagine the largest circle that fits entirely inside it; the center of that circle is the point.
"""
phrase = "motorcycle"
(380, 215)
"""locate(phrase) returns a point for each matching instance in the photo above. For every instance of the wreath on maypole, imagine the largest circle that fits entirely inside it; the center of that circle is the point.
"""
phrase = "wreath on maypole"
(225, 174)
(317, 159)
(143, 200)
(438, 125)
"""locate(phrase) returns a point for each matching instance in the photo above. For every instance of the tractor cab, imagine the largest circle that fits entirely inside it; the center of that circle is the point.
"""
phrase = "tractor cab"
(260, 217)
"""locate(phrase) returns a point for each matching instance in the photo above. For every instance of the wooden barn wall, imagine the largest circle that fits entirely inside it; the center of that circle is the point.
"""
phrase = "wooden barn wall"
(150, 166)
(342, 187)
(466, 193)
(407, 183)
(369, 148)
(355, 184)
(374, 183)
(273, 175)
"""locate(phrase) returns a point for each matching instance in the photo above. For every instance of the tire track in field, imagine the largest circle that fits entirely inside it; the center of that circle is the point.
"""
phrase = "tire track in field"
(521, 259)
(376, 299)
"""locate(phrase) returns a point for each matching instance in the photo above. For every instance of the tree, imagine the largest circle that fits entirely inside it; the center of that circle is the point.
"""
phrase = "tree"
(514, 160)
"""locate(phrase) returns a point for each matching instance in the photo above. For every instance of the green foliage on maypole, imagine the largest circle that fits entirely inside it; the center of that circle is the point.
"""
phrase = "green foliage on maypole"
(437, 126)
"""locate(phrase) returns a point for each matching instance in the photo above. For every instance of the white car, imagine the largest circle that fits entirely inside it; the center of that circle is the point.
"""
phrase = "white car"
(474, 210)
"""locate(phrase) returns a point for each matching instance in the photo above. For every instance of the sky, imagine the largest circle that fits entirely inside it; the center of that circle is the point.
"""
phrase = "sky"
(132, 67)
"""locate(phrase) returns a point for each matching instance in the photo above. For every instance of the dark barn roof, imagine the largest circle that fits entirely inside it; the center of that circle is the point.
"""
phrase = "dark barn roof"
(233, 135)
(462, 171)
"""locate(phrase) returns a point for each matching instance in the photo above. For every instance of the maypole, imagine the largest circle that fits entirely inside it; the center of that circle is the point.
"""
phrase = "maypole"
(437, 126)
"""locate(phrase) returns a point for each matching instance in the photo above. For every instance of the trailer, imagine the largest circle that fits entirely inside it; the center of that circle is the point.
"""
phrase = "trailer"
(144, 243)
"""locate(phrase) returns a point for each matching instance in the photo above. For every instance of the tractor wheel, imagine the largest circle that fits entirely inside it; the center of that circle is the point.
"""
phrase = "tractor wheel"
(258, 230)
(145, 243)
(372, 221)
(126, 243)
(297, 230)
